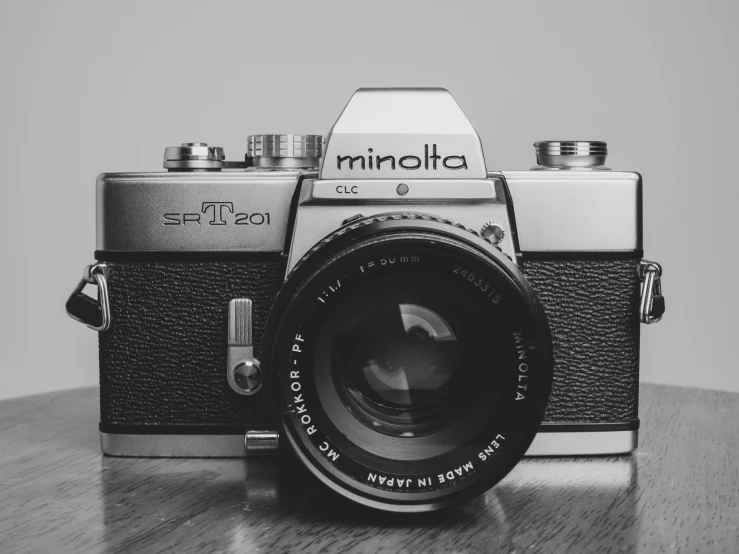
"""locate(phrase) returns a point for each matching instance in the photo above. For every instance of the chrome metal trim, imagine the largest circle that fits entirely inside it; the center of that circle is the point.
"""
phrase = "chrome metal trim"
(95, 274)
(650, 273)
(558, 211)
(436, 191)
(282, 151)
(325, 205)
(238, 211)
(233, 446)
(240, 360)
(261, 443)
(571, 155)
(570, 211)
(104, 297)
(193, 156)
(584, 443)
(173, 446)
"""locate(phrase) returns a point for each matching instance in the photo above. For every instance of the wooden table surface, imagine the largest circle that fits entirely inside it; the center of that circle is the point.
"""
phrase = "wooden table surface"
(678, 493)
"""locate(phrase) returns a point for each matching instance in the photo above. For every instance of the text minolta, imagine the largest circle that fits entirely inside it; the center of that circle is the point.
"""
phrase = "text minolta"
(429, 161)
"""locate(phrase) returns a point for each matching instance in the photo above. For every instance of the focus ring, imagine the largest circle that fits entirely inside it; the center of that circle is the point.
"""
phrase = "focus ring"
(397, 216)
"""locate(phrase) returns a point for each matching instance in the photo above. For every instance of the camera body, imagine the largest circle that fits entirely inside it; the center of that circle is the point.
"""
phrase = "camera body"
(422, 322)
(180, 245)
(179, 248)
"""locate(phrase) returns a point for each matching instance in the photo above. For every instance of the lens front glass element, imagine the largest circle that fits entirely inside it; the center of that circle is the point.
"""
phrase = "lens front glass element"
(401, 351)
(398, 363)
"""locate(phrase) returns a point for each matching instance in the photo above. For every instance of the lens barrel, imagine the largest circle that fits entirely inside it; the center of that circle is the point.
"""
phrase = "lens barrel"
(408, 362)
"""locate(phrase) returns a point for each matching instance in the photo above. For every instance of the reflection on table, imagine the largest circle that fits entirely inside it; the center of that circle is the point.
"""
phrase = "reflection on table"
(266, 504)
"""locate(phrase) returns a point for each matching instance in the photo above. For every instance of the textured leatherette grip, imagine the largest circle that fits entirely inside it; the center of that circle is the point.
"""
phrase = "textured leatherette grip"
(592, 308)
(163, 360)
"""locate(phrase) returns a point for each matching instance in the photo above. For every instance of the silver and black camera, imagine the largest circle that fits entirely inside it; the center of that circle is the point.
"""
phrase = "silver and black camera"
(405, 322)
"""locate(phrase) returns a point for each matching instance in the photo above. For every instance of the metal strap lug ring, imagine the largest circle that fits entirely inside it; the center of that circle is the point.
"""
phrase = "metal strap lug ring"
(85, 309)
(99, 272)
(652, 304)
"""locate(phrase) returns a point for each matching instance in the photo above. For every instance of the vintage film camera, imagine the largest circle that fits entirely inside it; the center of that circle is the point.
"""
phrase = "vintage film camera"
(422, 322)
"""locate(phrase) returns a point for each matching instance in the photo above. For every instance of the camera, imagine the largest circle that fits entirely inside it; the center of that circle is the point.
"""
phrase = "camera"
(403, 321)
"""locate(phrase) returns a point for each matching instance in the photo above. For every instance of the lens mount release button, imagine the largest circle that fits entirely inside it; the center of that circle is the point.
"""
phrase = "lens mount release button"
(493, 231)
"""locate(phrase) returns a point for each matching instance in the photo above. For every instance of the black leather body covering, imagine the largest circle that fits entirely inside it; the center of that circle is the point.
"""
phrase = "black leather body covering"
(593, 311)
(163, 360)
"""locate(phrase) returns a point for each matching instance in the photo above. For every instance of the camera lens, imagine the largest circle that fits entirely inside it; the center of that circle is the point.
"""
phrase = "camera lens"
(409, 363)
(396, 364)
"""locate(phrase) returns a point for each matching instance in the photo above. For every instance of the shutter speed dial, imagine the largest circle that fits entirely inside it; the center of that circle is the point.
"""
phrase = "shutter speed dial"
(285, 151)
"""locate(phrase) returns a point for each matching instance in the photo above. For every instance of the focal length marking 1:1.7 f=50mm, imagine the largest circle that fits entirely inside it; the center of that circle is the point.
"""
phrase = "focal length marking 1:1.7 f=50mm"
(409, 362)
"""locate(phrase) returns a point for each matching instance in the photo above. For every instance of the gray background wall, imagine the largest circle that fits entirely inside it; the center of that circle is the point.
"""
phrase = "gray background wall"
(94, 86)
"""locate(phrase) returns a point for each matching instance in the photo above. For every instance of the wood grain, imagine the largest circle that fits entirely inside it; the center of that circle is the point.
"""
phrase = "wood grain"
(678, 493)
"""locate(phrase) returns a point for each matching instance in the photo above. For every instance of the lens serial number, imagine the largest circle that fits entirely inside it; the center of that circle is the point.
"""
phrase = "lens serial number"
(477, 281)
